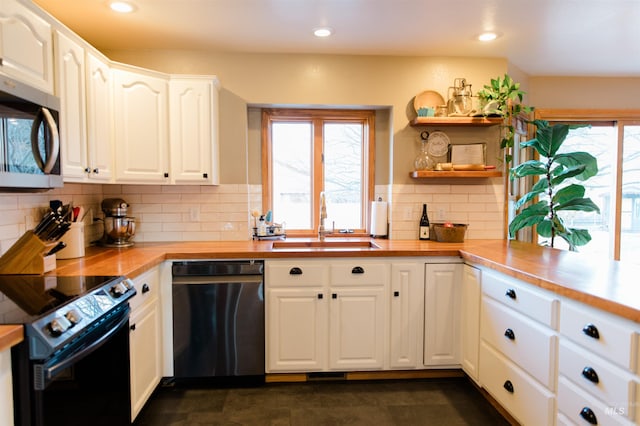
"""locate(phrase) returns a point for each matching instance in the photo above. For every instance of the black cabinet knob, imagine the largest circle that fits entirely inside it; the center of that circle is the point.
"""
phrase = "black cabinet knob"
(396, 293)
(591, 331)
(145, 288)
(508, 386)
(334, 295)
(87, 170)
(132, 327)
(509, 334)
(320, 296)
(590, 374)
(205, 175)
(588, 414)
(166, 174)
(96, 171)
(295, 271)
(511, 293)
(357, 270)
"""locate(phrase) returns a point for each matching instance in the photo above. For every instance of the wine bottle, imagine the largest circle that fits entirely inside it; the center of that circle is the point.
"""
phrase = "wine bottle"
(424, 224)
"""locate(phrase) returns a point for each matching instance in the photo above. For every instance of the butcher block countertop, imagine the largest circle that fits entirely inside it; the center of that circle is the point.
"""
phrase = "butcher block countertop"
(607, 285)
(10, 335)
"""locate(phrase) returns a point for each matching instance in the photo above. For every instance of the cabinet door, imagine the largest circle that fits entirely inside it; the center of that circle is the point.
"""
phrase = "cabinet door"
(442, 314)
(25, 46)
(70, 87)
(99, 123)
(141, 127)
(194, 141)
(145, 353)
(407, 310)
(296, 329)
(470, 326)
(357, 320)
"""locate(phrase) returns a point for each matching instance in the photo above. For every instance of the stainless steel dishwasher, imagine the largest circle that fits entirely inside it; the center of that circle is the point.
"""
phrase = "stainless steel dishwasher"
(218, 319)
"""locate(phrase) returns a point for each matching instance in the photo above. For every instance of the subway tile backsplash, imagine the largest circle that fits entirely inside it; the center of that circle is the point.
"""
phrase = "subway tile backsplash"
(214, 213)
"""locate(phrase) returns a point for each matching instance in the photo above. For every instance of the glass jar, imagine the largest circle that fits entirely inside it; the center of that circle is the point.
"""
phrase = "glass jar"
(423, 161)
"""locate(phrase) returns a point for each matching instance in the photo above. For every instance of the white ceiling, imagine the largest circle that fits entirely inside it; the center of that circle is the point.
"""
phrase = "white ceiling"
(541, 37)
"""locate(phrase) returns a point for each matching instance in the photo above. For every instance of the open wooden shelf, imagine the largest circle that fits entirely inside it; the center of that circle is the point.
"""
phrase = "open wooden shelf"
(429, 174)
(456, 121)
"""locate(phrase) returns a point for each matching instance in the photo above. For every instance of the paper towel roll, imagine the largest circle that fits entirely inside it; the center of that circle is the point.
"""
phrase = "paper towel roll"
(378, 219)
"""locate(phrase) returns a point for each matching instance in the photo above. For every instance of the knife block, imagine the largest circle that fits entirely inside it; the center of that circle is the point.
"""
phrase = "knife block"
(26, 256)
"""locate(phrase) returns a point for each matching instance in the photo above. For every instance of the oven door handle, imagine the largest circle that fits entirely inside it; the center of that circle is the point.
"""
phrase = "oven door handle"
(51, 371)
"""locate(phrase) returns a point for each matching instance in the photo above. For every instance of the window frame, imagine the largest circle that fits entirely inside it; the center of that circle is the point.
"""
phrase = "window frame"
(318, 117)
(615, 118)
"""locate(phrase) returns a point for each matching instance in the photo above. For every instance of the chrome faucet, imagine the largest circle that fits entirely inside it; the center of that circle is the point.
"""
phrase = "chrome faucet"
(323, 216)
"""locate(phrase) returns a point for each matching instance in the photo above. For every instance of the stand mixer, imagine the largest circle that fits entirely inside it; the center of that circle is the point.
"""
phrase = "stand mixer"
(118, 228)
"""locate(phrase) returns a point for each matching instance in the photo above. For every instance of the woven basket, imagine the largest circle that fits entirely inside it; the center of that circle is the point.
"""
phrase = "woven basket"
(452, 233)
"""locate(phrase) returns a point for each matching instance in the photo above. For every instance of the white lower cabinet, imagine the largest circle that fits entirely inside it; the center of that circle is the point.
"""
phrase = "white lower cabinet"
(523, 397)
(145, 339)
(442, 296)
(406, 315)
(296, 331)
(6, 388)
(470, 320)
(343, 314)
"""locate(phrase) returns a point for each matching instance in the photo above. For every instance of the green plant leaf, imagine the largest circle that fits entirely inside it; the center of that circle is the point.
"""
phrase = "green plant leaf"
(560, 174)
(529, 216)
(576, 237)
(585, 159)
(579, 204)
(544, 228)
(568, 193)
(530, 168)
(537, 189)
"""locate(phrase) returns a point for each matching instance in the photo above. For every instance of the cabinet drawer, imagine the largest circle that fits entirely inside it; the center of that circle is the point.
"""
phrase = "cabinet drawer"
(535, 303)
(608, 383)
(612, 338)
(576, 405)
(530, 345)
(147, 287)
(528, 401)
(359, 273)
(292, 273)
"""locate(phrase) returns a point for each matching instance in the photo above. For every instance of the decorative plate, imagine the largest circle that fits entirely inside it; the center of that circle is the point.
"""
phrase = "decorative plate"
(428, 99)
(438, 144)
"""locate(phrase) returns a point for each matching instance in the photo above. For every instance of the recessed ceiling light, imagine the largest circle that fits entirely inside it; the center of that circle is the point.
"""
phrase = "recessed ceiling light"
(322, 32)
(121, 7)
(488, 36)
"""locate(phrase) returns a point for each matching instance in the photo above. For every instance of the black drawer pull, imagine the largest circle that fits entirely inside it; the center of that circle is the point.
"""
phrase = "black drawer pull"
(334, 296)
(320, 296)
(295, 271)
(508, 386)
(357, 270)
(591, 331)
(509, 334)
(511, 293)
(590, 374)
(145, 288)
(396, 293)
(588, 414)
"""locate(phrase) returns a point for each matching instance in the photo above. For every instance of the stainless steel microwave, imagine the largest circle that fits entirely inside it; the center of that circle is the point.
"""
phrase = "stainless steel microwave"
(29, 138)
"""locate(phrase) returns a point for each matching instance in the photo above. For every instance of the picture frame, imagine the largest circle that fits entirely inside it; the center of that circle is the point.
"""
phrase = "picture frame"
(474, 153)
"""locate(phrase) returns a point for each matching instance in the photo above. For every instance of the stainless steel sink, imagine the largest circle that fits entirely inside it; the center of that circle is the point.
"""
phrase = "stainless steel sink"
(329, 244)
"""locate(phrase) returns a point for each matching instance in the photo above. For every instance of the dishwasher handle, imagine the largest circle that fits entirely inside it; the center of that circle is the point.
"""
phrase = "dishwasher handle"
(222, 279)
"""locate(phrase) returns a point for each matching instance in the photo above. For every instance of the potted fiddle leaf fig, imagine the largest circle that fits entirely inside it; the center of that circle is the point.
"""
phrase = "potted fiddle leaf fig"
(554, 193)
(503, 97)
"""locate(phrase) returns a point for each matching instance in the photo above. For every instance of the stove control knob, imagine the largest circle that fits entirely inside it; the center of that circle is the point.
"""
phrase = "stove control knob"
(128, 283)
(118, 290)
(73, 316)
(58, 326)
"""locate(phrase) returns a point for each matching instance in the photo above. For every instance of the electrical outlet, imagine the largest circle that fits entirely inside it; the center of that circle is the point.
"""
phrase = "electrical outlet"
(408, 213)
(440, 214)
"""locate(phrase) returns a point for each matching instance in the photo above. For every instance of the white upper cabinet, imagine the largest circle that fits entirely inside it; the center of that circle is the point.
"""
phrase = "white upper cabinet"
(141, 126)
(99, 118)
(26, 51)
(83, 85)
(193, 108)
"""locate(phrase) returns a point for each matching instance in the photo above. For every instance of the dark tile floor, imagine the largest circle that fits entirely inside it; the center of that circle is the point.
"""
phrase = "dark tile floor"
(409, 402)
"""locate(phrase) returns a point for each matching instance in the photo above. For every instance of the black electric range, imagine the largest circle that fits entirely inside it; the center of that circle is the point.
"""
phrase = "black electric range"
(58, 309)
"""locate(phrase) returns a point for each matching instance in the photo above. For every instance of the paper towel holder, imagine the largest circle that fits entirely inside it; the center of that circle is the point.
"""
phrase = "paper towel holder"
(379, 226)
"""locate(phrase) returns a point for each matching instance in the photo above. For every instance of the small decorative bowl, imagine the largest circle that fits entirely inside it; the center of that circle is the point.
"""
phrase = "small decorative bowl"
(448, 232)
